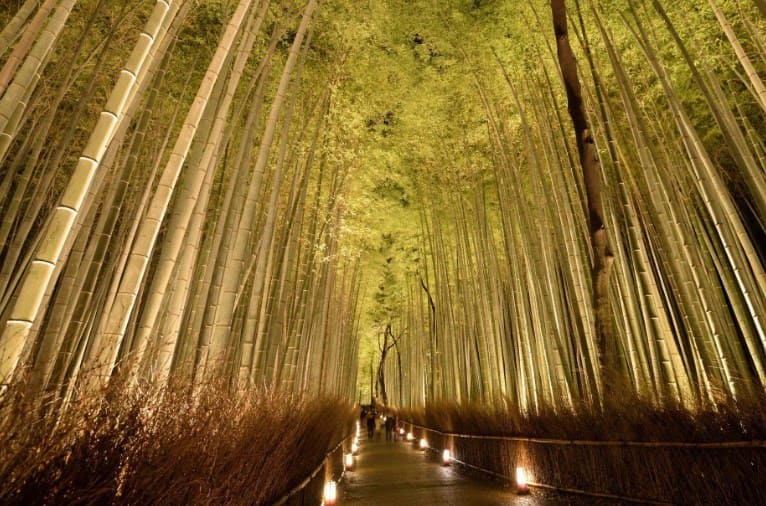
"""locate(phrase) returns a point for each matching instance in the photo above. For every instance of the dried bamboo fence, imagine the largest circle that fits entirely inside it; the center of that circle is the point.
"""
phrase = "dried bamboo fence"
(652, 472)
(308, 491)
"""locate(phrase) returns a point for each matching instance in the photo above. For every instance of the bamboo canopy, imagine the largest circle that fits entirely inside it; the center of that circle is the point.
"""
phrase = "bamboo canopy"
(527, 203)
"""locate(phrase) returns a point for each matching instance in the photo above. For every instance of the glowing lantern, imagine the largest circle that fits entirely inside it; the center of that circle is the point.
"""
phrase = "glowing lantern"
(401, 431)
(446, 457)
(349, 461)
(330, 493)
(354, 448)
(423, 444)
(522, 487)
(410, 437)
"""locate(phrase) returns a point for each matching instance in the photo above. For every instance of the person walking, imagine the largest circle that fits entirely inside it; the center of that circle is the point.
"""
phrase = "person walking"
(390, 422)
(370, 424)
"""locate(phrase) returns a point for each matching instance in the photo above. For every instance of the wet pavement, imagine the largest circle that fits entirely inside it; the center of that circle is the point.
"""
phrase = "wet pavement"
(396, 474)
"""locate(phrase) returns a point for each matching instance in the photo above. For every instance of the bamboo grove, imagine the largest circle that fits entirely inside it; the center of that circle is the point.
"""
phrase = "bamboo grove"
(190, 189)
(502, 305)
(170, 202)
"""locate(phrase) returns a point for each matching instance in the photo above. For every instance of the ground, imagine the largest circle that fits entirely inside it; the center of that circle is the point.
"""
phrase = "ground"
(395, 474)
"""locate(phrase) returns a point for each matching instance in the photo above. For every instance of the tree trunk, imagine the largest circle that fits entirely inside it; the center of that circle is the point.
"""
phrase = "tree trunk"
(591, 166)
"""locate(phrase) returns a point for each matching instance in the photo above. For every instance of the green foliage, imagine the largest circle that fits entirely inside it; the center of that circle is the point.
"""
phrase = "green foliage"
(410, 111)
(406, 120)
(418, 129)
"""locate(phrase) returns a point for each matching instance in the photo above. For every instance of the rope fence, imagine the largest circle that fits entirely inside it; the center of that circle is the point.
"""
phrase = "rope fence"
(561, 489)
(576, 442)
(314, 473)
(755, 445)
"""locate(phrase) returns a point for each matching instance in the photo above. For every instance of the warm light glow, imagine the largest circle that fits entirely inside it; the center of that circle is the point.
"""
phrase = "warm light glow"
(401, 432)
(423, 444)
(354, 447)
(410, 437)
(349, 461)
(521, 481)
(446, 457)
(521, 476)
(330, 492)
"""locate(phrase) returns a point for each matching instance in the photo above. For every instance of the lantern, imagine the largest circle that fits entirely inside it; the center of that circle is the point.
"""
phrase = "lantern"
(522, 487)
(330, 493)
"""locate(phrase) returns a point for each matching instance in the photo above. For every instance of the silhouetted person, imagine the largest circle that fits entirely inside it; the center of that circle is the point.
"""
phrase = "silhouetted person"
(390, 423)
(370, 424)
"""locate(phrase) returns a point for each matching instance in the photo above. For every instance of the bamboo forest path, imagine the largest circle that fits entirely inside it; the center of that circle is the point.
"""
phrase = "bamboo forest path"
(395, 474)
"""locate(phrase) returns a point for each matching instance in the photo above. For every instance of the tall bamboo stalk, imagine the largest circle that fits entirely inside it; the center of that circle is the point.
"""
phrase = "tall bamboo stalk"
(40, 272)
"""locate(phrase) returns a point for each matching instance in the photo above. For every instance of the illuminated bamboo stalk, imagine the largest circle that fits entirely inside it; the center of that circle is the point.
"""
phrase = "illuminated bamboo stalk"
(103, 353)
(61, 338)
(40, 273)
(285, 326)
(98, 264)
(186, 220)
(192, 356)
(748, 300)
(13, 102)
(655, 325)
(22, 47)
(27, 204)
(672, 243)
(725, 119)
(234, 265)
(16, 25)
(264, 256)
(744, 60)
(507, 196)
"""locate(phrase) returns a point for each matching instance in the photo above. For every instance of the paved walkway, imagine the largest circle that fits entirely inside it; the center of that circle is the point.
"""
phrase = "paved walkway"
(396, 474)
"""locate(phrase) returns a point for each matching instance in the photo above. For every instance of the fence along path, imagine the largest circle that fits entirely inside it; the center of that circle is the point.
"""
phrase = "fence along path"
(672, 469)
(393, 473)
(584, 442)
